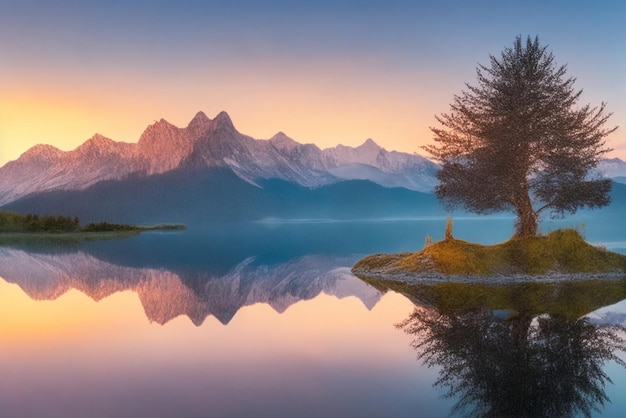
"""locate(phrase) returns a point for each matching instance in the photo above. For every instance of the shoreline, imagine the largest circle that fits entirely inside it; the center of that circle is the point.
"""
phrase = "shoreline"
(12, 237)
(434, 278)
(8, 238)
(562, 255)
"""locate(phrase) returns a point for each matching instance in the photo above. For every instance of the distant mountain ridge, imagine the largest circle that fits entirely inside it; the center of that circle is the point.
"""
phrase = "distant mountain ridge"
(613, 168)
(217, 195)
(209, 143)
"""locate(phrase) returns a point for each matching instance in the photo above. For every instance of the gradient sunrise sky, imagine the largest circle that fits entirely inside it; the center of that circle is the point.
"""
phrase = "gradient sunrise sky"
(322, 71)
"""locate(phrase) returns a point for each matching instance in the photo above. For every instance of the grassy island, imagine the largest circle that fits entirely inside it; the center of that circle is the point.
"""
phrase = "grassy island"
(560, 253)
(16, 227)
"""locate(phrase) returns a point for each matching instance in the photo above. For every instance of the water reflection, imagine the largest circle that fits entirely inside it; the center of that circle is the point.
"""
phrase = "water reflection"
(516, 367)
(212, 271)
(328, 356)
(166, 294)
(534, 355)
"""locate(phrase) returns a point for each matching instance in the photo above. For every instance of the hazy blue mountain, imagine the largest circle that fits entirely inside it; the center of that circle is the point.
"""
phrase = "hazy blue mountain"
(216, 195)
(620, 179)
(197, 196)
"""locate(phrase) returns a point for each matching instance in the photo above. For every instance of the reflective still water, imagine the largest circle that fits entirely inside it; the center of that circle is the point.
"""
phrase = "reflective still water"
(266, 320)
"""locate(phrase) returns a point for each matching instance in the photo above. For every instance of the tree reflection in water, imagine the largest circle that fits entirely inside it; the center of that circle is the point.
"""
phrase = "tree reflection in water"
(522, 366)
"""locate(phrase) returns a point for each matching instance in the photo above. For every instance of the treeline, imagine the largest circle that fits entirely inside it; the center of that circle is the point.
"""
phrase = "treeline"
(48, 223)
(15, 222)
(108, 227)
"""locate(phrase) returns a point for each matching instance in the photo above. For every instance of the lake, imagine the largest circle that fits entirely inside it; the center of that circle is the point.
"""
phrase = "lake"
(264, 319)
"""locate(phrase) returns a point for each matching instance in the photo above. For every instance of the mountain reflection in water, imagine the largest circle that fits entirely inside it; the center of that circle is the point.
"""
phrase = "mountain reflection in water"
(197, 294)
(298, 342)
(214, 270)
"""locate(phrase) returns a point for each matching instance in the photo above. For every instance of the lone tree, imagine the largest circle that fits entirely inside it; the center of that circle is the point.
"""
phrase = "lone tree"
(518, 141)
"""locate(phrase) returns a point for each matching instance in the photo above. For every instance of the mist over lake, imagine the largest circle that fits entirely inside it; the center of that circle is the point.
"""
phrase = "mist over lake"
(258, 318)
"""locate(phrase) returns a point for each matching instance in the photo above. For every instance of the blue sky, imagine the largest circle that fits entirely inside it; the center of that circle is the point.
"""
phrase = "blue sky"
(326, 72)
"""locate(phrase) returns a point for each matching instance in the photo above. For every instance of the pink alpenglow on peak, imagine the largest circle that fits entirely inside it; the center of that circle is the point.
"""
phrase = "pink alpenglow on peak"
(205, 143)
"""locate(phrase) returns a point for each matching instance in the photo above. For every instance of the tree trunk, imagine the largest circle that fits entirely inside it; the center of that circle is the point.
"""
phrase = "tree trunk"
(526, 224)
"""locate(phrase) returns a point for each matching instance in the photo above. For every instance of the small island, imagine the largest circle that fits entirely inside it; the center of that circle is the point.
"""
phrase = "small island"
(18, 227)
(561, 254)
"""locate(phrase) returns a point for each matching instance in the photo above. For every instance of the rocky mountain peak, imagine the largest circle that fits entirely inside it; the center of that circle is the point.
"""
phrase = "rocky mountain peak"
(369, 147)
(97, 144)
(155, 131)
(100, 139)
(366, 153)
(223, 120)
(162, 145)
(612, 167)
(283, 142)
(199, 124)
(200, 118)
(41, 152)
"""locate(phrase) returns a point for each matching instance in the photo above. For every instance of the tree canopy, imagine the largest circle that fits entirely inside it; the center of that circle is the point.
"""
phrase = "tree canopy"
(518, 141)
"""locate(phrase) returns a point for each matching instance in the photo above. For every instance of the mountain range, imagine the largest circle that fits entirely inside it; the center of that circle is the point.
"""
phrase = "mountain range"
(208, 144)
(209, 171)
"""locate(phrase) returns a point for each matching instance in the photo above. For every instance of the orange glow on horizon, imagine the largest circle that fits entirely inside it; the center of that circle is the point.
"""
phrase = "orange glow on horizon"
(314, 105)
(314, 328)
(309, 107)
(24, 320)
(321, 73)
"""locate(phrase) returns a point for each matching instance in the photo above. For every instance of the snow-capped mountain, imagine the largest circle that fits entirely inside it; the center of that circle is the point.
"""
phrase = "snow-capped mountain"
(44, 168)
(613, 168)
(213, 143)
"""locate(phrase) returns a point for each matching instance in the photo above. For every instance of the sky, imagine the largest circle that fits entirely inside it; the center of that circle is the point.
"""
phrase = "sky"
(326, 71)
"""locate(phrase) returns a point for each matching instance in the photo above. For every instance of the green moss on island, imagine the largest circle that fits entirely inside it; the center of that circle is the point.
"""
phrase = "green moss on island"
(560, 252)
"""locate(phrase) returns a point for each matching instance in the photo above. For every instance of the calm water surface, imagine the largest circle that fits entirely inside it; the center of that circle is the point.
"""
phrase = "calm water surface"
(266, 320)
